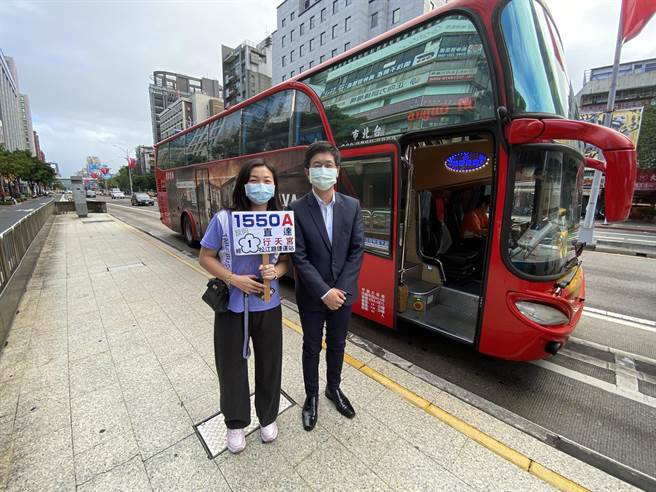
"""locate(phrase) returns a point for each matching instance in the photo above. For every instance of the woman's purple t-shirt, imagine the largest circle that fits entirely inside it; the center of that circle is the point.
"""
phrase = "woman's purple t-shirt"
(241, 265)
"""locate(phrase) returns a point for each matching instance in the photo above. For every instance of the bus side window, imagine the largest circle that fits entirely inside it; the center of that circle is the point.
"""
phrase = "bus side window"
(266, 123)
(225, 136)
(370, 181)
(308, 127)
(177, 152)
(163, 156)
(196, 145)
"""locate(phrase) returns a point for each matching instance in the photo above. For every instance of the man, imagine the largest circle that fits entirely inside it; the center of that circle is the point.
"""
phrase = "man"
(329, 249)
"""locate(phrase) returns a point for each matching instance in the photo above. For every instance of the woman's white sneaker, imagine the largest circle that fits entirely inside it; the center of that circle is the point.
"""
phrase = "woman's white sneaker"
(269, 433)
(236, 440)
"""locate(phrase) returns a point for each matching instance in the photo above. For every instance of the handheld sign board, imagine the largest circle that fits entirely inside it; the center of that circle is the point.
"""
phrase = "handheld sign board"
(263, 233)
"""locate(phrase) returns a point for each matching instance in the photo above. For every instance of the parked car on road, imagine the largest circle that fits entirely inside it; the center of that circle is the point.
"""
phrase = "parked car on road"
(91, 194)
(142, 199)
(116, 194)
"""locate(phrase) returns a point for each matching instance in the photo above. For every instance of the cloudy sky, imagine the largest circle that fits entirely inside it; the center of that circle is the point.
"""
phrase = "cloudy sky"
(86, 63)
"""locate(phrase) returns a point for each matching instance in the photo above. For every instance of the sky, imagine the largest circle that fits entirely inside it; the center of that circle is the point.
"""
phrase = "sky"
(85, 64)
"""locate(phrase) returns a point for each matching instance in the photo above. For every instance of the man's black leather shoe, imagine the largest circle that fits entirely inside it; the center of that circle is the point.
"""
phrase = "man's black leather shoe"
(310, 413)
(342, 404)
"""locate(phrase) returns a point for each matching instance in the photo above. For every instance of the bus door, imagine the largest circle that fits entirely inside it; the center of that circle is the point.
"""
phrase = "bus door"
(203, 198)
(370, 175)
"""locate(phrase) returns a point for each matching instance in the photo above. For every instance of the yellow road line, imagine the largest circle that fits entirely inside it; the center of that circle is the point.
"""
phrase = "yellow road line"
(503, 450)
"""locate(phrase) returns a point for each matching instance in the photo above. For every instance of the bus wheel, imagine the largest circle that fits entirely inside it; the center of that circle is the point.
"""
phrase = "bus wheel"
(188, 232)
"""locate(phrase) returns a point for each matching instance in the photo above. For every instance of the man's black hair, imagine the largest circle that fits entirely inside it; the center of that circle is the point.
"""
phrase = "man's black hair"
(240, 202)
(319, 148)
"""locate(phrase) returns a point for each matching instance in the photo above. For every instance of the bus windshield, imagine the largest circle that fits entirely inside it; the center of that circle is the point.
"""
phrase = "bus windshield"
(432, 75)
(536, 57)
(545, 209)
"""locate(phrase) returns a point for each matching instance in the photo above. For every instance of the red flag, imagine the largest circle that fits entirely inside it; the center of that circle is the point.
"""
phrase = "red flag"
(635, 16)
(132, 163)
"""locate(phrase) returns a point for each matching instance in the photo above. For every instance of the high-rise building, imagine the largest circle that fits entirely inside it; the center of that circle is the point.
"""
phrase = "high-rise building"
(145, 159)
(312, 31)
(167, 87)
(37, 148)
(246, 70)
(10, 118)
(26, 124)
(186, 111)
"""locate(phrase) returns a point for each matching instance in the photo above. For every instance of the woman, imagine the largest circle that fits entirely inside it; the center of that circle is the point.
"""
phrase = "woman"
(255, 190)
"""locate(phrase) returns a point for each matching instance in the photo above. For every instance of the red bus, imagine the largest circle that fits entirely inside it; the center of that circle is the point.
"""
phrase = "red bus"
(465, 105)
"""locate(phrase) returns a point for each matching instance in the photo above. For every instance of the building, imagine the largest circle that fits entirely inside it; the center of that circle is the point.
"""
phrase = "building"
(186, 111)
(167, 87)
(635, 104)
(26, 124)
(37, 147)
(145, 159)
(204, 106)
(310, 32)
(10, 115)
(55, 167)
(246, 70)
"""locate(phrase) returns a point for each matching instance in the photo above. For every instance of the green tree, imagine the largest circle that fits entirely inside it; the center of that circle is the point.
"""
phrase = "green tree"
(647, 140)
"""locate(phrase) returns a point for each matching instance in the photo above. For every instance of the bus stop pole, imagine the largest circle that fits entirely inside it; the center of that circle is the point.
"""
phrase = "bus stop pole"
(587, 231)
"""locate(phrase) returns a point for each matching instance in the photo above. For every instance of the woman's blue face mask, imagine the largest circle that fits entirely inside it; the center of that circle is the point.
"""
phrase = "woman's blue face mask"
(260, 193)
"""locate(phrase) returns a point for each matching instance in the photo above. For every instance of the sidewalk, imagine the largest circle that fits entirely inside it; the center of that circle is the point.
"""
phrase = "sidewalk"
(628, 226)
(110, 361)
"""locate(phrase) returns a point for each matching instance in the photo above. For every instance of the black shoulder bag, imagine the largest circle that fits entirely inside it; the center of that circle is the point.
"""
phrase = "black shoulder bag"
(216, 296)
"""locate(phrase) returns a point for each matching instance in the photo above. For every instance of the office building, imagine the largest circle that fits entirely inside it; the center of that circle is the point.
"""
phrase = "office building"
(310, 32)
(187, 111)
(10, 115)
(635, 104)
(145, 159)
(246, 70)
(37, 148)
(26, 124)
(167, 87)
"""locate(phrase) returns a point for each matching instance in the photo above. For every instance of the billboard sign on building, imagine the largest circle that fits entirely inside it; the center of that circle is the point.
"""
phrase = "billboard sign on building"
(626, 121)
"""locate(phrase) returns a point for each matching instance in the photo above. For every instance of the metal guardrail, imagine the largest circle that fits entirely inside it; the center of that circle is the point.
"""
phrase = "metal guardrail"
(69, 207)
(15, 240)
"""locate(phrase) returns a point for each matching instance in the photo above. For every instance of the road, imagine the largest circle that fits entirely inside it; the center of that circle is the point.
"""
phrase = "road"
(599, 393)
(10, 214)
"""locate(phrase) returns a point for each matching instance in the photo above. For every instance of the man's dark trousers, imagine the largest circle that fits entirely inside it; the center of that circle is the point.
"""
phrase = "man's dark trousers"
(322, 263)
(336, 329)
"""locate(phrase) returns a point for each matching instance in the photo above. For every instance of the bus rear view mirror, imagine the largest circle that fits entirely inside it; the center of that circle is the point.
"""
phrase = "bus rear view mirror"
(618, 151)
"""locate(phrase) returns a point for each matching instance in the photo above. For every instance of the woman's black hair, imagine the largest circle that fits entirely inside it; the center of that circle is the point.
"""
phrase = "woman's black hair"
(240, 202)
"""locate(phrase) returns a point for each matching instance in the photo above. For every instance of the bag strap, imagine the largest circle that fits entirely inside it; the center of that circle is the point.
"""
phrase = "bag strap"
(225, 253)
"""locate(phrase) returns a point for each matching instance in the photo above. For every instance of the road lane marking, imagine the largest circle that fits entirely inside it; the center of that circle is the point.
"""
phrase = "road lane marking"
(134, 209)
(626, 376)
(606, 348)
(504, 451)
(597, 383)
(621, 319)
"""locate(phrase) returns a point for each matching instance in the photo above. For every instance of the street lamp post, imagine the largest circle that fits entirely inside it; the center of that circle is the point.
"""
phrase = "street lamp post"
(127, 161)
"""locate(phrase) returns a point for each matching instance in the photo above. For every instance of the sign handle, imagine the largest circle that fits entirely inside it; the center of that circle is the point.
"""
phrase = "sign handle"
(267, 283)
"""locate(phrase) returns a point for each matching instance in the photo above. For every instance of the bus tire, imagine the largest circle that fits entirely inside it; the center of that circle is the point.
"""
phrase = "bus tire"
(188, 232)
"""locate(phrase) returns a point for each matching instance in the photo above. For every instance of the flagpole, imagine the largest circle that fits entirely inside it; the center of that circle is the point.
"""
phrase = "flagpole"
(587, 231)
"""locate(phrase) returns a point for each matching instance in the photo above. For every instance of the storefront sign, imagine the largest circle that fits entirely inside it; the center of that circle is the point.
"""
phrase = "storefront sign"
(646, 180)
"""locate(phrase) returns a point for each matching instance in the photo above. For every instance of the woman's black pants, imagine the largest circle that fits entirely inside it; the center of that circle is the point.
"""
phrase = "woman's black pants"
(266, 334)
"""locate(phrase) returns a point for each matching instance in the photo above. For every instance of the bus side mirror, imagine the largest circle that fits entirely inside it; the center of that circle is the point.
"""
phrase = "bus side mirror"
(621, 172)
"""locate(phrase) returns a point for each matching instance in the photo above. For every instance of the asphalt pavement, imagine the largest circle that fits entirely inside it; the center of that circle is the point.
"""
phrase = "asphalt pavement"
(596, 399)
(10, 214)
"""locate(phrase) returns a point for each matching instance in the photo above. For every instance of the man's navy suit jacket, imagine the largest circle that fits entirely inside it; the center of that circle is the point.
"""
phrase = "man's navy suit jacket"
(319, 264)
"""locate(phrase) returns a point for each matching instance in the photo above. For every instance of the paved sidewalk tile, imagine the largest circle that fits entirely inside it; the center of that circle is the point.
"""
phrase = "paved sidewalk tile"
(102, 380)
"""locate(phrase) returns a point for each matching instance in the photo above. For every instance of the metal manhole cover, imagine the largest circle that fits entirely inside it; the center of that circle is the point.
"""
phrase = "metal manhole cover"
(212, 431)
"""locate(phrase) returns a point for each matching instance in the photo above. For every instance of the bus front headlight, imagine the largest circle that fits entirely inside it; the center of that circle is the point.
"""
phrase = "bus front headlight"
(541, 313)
